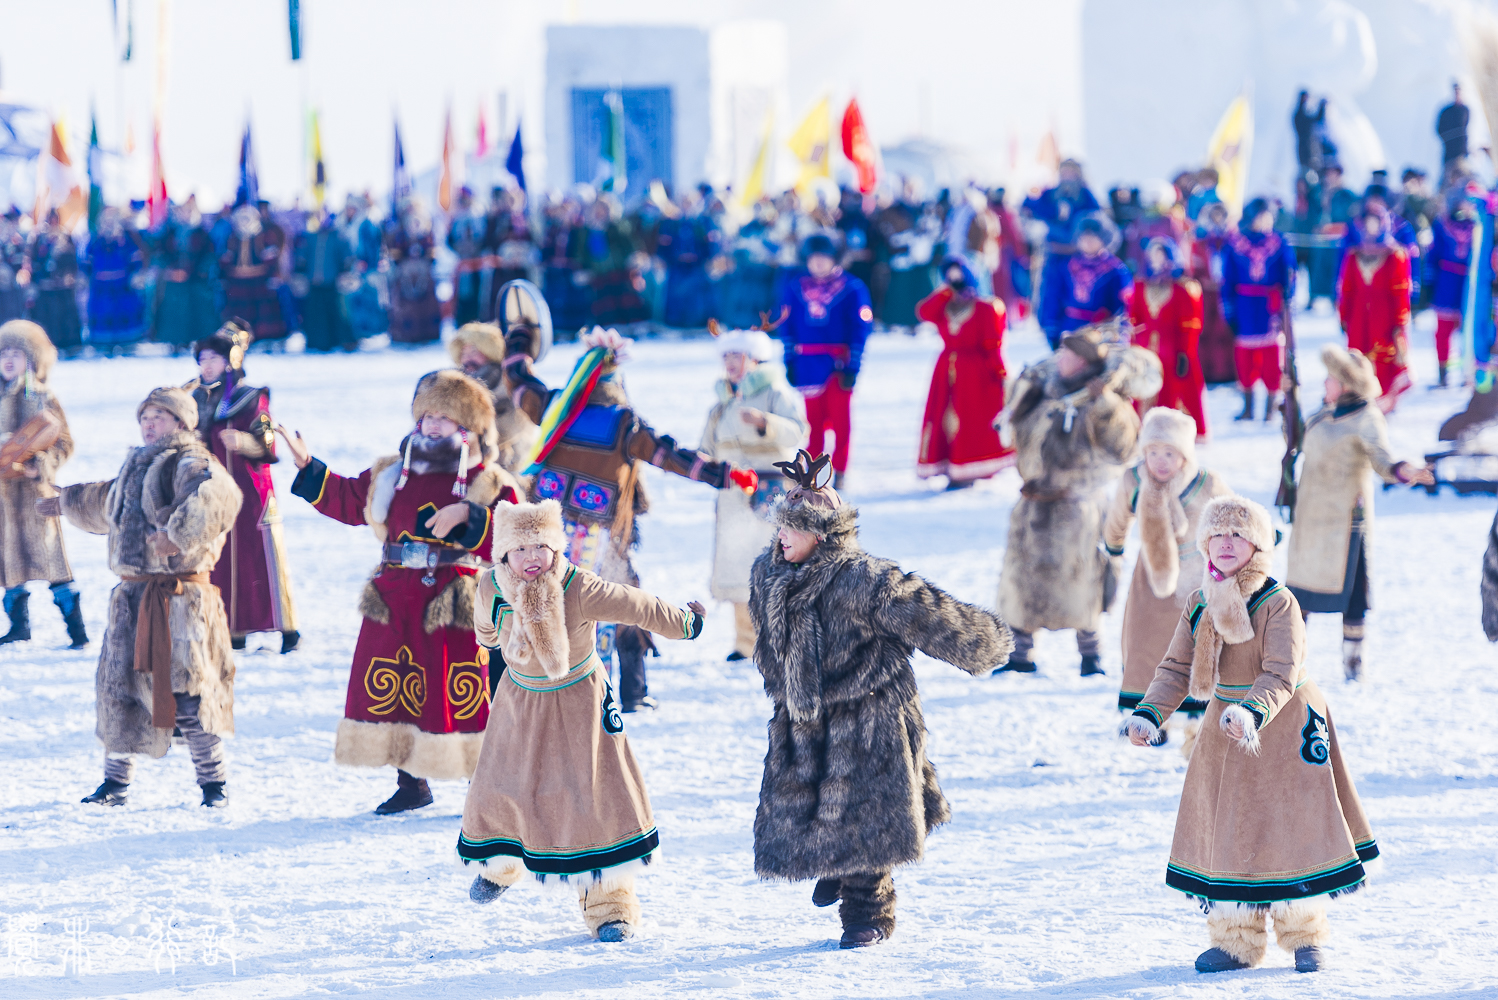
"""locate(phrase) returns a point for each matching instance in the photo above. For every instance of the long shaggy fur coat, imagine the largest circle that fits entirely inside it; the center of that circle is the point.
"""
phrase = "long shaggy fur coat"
(178, 487)
(1069, 446)
(31, 545)
(847, 787)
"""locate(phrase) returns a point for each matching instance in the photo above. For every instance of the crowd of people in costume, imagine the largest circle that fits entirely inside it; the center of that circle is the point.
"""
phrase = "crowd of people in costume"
(504, 636)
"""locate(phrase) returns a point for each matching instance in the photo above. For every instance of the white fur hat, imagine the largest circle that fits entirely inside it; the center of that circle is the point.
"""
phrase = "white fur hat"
(1169, 427)
(517, 524)
(1235, 515)
(754, 344)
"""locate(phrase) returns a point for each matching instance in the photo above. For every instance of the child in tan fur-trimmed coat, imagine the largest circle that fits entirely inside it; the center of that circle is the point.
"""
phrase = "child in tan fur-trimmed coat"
(556, 791)
(1270, 824)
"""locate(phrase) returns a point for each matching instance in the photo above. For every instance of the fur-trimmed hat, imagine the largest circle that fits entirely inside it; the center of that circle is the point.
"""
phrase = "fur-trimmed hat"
(1092, 342)
(753, 344)
(811, 504)
(1236, 515)
(1163, 425)
(486, 338)
(458, 397)
(32, 340)
(178, 402)
(229, 342)
(517, 524)
(1353, 370)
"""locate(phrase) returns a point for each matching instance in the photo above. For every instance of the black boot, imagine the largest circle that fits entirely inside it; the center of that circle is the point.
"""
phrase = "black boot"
(1309, 959)
(215, 796)
(236, 642)
(412, 793)
(77, 634)
(1271, 406)
(1217, 960)
(18, 606)
(1092, 666)
(111, 793)
(827, 892)
(615, 931)
(1248, 406)
(1015, 666)
(484, 891)
(289, 641)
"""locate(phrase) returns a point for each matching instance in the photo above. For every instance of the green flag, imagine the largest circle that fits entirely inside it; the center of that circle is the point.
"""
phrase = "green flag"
(613, 144)
(95, 168)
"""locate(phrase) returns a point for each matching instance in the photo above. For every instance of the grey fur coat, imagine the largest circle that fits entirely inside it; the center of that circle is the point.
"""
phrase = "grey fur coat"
(847, 787)
(178, 487)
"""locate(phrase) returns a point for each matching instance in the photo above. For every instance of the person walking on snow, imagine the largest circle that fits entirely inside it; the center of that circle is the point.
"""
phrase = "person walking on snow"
(31, 546)
(557, 792)
(827, 318)
(1073, 427)
(1345, 441)
(1258, 282)
(757, 422)
(848, 793)
(165, 664)
(1167, 491)
(1270, 824)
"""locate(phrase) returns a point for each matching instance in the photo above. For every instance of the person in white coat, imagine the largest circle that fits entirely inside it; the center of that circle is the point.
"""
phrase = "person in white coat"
(758, 420)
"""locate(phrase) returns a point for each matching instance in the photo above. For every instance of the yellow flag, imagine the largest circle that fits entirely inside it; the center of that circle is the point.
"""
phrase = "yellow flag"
(1230, 150)
(754, 184)
(811, 142)
(318, 173)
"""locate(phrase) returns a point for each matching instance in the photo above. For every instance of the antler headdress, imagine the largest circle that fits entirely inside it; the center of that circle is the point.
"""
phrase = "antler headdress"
(813, 479)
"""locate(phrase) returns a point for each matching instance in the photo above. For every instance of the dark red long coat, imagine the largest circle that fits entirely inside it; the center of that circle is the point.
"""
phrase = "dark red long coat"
(958, 439)
(1375, 312)
(1218, 364)
(251, 573)
(1173, 333)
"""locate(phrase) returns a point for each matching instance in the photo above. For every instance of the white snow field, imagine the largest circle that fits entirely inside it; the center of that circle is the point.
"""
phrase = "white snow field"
(1047, 883)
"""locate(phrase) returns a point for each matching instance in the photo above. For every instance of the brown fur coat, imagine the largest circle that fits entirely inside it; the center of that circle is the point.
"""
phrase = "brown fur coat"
(178, 487)
(31, 545)
(847, 786)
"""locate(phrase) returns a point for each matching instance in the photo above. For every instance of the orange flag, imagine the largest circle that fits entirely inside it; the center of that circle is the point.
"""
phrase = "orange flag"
(859, 149)
(60, 187)
(445, 182)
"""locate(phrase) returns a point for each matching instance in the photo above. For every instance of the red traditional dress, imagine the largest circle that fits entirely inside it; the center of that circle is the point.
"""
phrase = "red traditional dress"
(418, 693)
(1217, 341)
(251, 573)
(1375, 310)
(1168, 321)
(958, 439)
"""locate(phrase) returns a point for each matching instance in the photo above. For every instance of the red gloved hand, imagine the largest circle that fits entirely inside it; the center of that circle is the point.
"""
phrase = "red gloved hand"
(745, 479)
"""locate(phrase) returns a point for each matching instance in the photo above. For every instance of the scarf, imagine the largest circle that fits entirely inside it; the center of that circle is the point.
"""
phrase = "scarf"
(1162, 529)
(538, 628)
(1225, 620)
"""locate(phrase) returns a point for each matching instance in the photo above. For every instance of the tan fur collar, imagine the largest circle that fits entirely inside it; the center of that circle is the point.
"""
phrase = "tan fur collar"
(1162, 528)
(539, 629)
(1225, 619)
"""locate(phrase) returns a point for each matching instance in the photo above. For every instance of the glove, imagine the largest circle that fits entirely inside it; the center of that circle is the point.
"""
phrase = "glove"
(745, 479)
(49, 506)
(846, 379)
(518, 341)
(1183, 365)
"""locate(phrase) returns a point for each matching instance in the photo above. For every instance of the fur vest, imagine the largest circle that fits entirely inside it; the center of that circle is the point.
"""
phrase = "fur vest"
(31, 546)
(847, 785)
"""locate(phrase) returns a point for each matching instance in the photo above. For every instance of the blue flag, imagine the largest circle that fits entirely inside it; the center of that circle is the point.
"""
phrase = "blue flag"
(249, 180)
(294, 16)
(515, 162)
(400, 187)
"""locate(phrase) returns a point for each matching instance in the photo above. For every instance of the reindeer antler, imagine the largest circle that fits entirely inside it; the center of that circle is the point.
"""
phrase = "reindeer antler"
(767, 326)
(713, 327)
(804, 469)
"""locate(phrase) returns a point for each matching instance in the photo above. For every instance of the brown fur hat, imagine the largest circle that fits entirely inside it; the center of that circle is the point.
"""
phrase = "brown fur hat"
(178, 402)
(1353, 370)
(517, 524)
(1172, 428)
(458, 397)
(1235, 515)
(486, 338)
(33, 340)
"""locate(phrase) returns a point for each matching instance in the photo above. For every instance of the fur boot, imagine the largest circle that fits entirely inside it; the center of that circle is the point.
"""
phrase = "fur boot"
(868, 901)
(1303, 925)
(617, 905)
(1239, 932)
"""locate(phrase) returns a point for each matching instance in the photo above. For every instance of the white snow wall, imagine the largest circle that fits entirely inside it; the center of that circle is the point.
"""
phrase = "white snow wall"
(1157, 77)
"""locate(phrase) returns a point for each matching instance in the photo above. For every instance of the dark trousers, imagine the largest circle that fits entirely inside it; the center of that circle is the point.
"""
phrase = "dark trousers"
(629, 646)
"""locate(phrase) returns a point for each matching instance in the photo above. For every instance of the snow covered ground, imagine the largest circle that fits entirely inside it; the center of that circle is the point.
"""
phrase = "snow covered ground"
(1048, 882)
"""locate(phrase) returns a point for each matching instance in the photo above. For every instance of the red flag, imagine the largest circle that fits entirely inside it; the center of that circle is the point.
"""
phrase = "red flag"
(858, 148)
(156, 201)
(482, 146)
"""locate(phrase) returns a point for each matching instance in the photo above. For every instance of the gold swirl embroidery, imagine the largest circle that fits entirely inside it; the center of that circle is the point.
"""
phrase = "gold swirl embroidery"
(387, 680)
(466, 689)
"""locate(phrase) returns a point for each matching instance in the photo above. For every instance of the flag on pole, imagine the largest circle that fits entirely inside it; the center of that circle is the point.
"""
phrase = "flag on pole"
(95, 174)
(810, 143)
(58, 187)
(613, 144)
(754, 184)
(156, 201)
(1049, 155)
(294, 16)
(1230, 150)
(445, 182)
(319, 172)
(249, 177)
(515, 161)
(481, 145)
(400, 186)
(859, 149)
(125, 43)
